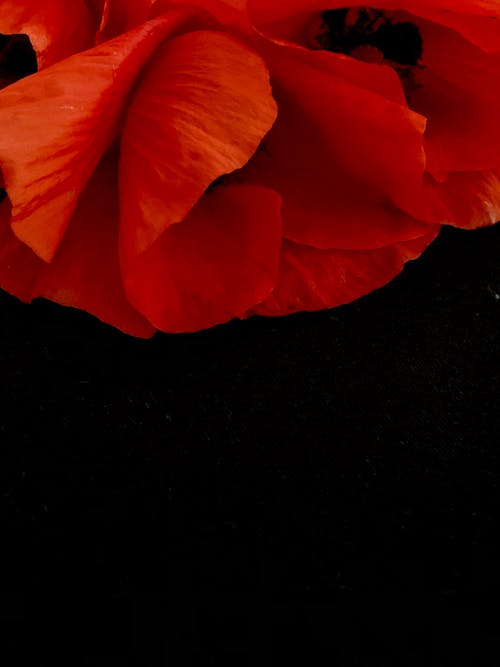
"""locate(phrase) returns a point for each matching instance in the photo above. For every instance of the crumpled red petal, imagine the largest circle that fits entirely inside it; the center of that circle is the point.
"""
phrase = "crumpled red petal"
(56, 28)
(312, 279)
(346, 161)
(202, 107)
(215, 265)
(85, 272)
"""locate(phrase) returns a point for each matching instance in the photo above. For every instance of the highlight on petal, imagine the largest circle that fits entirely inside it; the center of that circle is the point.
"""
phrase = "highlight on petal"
(55, 28)
(62, 121)
(468, 200)
(119, 16)
(202, 107)
(214, 266)
(99, 11)
(85, 271)
(312, 279)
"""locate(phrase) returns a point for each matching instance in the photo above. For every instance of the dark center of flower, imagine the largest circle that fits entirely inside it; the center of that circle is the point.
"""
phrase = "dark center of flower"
(17, 58)
(3, 194)
(370, 35)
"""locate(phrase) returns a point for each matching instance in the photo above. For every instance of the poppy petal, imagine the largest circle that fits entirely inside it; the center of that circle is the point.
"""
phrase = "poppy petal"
(331, 141)
(85, 272)
(56, 28)
(99, 10)
(457, 95)
(476, 20)
(312, 279)
(200, 111)
(212, 267)
(228, 12)
(467, 200)
(61, 122)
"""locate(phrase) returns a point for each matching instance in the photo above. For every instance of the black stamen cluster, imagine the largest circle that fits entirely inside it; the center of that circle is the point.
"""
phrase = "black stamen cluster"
(399, 42)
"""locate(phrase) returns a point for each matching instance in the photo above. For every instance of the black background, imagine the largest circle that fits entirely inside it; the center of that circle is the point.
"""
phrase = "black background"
(295, 487)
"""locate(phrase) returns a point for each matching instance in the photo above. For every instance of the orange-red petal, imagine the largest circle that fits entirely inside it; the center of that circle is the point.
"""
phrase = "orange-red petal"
(222, 260)
(200, 111)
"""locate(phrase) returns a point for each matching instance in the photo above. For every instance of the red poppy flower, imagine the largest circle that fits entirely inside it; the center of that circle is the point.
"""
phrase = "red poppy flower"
(106, 162)
(399, 103)
(113, 159)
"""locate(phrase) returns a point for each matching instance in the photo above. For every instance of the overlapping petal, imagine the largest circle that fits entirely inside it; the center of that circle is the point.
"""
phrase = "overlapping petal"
(457, 93)
(214, 266)
(191, 260)
(348, 162)
(202, 108)
(85, 272)
(312, 279)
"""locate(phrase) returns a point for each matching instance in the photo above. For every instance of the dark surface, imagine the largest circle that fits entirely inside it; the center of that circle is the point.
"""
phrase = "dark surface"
(301, 472)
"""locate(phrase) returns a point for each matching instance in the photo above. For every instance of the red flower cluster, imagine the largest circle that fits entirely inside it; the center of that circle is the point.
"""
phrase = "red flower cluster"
(174, 164)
